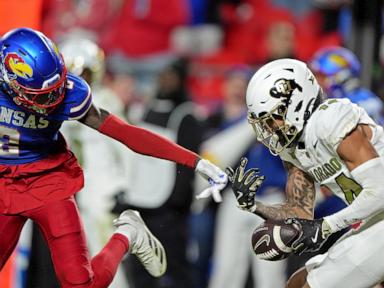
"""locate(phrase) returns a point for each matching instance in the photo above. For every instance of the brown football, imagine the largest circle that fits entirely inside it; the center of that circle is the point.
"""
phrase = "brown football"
(272, 240)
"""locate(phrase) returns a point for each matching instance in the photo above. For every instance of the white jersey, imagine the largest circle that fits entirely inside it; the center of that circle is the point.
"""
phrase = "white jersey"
(327, 127)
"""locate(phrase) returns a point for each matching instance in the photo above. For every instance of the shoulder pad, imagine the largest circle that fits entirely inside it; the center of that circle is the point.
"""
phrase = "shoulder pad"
(334, 120)
(77, 100)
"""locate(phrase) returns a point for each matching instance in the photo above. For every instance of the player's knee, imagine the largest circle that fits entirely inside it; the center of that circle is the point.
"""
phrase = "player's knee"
(76, 272)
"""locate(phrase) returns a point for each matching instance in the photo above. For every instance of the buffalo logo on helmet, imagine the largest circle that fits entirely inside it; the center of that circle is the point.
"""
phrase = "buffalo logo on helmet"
(284, 88)
(17, 65)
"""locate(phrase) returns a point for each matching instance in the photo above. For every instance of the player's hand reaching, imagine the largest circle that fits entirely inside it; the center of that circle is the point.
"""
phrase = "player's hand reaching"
(245, 184)
(313, 234)
(216, 178)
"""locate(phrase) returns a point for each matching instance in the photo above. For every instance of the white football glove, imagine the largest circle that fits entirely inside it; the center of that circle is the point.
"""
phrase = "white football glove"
(216, 178)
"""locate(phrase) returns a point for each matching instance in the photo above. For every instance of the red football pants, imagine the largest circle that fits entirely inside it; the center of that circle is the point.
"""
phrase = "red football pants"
(62, 228)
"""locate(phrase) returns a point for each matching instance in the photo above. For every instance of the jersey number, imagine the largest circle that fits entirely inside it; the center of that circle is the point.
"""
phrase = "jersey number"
(9, 141)
(325, 106)
(350, 187)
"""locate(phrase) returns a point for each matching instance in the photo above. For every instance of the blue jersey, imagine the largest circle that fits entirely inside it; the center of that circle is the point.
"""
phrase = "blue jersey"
(270, 166)
(27, 137)
(367, 100)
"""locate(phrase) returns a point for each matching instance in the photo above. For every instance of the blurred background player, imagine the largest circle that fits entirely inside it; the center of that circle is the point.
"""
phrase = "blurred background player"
(171, 114)
(338, 71)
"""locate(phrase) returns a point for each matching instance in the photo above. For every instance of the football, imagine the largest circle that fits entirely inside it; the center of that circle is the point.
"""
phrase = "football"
(272, 240)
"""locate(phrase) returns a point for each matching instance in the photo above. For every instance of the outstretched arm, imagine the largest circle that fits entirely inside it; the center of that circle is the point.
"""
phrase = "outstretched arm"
(148, 143)
(300, 197)
(138, 139)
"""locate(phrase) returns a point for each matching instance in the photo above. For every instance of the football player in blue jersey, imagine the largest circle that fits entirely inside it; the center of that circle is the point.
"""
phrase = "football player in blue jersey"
(39, 175)
(338, 70)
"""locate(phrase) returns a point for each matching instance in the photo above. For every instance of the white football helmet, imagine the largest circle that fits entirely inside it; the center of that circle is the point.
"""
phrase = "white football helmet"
(82, 54)
(283, 89)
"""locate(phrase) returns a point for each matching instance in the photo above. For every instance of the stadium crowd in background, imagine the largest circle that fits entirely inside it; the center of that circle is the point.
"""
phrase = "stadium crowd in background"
(141, 40)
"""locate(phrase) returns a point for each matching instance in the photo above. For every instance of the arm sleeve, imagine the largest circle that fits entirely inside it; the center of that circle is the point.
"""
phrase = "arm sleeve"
(369, 202)
(147, 143)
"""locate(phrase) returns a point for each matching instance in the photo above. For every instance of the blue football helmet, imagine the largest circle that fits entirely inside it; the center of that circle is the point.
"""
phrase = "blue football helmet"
(337, 69)
(32, 70)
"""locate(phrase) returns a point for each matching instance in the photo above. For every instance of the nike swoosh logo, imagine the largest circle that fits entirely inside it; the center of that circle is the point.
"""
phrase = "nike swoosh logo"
(315, 144)
(265, 238)
(314, 239)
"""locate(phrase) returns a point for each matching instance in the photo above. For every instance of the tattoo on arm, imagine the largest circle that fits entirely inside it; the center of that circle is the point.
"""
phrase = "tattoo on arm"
(300, 193)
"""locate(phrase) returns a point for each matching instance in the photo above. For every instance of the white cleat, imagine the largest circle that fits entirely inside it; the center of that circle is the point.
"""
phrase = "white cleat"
(142, 243)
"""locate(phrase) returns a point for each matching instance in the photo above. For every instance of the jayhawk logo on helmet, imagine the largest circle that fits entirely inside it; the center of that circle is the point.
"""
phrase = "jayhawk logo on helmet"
(17, 65)
(338, 60)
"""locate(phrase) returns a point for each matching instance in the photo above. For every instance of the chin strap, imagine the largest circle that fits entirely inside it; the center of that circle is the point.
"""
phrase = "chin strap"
(145, 142)
(5, 87)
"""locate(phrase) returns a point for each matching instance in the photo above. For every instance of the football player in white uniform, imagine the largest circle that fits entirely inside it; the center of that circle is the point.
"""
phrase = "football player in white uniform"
(334, 143)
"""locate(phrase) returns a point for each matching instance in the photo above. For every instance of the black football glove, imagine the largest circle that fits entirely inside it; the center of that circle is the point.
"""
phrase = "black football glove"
(313, 234)
(245, 185)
